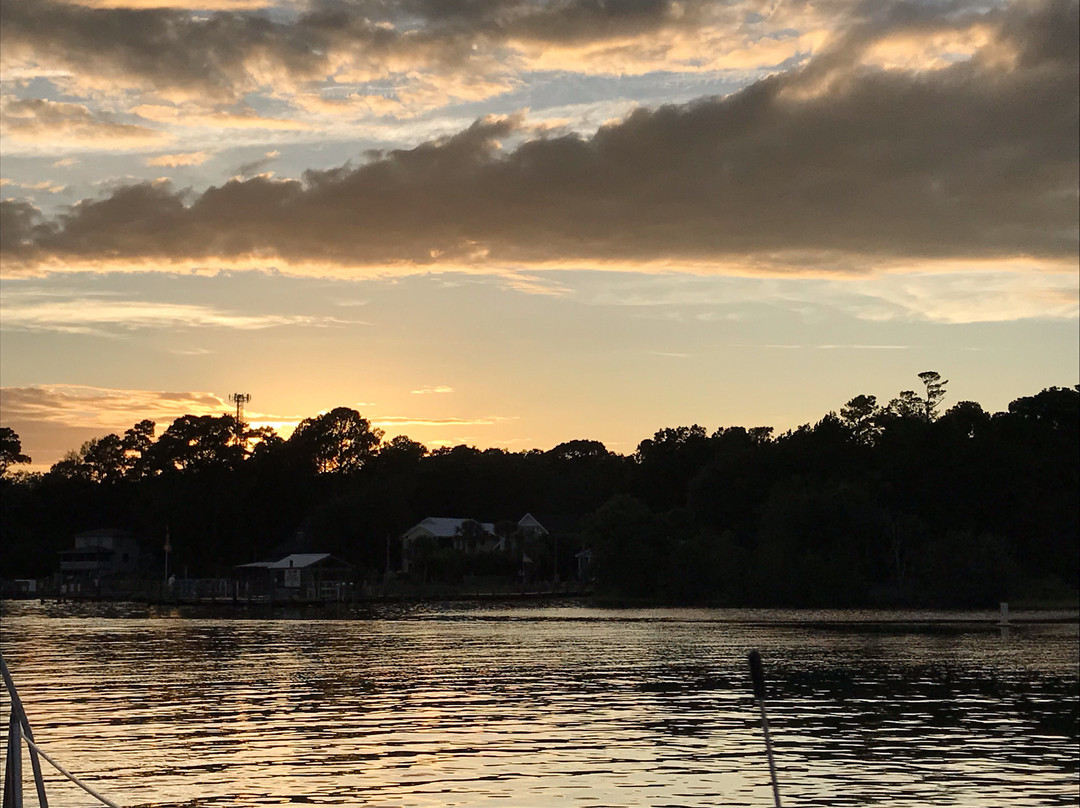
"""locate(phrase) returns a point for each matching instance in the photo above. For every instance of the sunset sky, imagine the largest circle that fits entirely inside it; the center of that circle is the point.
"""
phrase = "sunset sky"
(512, 224)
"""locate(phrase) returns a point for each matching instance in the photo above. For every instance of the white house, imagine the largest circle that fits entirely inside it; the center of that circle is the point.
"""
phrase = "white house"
(467, 535)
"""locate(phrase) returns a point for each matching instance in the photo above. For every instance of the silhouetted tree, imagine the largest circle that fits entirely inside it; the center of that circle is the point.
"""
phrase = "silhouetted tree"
(401, 451)
(10, 450)
(579, 450)
(339, 441)
(844, 511)
(906, 405)
(262, 440)
(667, 462)
(935, 392)
(860, 415)
(137, 443)
(197, 442)
(965, 418)
(105, 458)
(577, 477)
(1057, 407)
(98, 460)
(472, 534)
(626, 555)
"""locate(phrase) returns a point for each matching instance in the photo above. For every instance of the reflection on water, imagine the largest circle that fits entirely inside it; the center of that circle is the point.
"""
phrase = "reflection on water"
(559, 706)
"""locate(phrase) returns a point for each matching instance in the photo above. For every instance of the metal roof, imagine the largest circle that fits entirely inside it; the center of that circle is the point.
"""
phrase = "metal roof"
(442, 526)
(294, 561)
(298, 560)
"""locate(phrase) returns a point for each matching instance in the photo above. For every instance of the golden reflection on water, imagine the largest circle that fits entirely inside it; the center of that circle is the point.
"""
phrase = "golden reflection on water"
(560, 706)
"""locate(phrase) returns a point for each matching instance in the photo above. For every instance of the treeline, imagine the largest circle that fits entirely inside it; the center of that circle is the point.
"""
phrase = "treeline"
(895, 504)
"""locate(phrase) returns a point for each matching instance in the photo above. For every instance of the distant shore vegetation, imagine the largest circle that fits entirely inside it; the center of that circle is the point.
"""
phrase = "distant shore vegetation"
(901, 503)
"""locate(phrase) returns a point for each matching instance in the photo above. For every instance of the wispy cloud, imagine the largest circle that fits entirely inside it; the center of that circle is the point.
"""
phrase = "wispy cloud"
(862, 347)
(34, 124)
(257, 167)
(811, 347)
(943, 292)
(33, 309)
(44, 185)
(966, 297)
(178, 160)
(427, 390)
(406, 420)
(195, 114)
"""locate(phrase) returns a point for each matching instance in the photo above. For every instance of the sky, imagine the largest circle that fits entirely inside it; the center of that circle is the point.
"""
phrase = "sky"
(512, 224)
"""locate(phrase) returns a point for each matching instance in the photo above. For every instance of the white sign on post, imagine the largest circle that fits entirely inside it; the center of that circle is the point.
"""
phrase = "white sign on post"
(292, 578)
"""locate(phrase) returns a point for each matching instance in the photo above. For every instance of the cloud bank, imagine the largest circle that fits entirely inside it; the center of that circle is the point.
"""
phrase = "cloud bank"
(104, 409)
(854, 160)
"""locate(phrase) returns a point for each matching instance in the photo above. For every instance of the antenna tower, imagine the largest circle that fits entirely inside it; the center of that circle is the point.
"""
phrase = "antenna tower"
(239, 399)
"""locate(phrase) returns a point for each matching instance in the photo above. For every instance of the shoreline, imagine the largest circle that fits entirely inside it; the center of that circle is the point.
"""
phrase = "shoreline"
(599, 610)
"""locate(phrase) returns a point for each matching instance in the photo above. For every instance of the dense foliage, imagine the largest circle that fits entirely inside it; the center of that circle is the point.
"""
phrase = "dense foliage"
(894, 504)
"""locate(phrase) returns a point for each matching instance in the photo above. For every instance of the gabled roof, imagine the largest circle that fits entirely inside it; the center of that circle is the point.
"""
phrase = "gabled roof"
(444, 527)
(298, 560)
(294, 561)
(555, 522)
(530, 522)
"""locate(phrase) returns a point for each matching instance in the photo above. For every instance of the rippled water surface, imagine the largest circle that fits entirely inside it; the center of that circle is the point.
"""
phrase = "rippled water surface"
(500, 705)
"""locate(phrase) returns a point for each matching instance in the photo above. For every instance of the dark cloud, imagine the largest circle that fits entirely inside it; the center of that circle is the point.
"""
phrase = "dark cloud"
(19, 220)
(977, 159)
(166, 48)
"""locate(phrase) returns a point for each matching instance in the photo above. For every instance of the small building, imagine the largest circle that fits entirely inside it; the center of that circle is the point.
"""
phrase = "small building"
(301, 576)
(551, 541)
(99, 554)
(529, 525)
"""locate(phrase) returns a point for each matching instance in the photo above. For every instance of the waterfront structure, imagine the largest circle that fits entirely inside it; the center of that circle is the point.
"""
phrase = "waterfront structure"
(301, 576)
(100, 553)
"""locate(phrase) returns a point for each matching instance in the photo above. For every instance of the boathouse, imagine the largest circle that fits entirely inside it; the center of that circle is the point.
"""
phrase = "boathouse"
(299, 576)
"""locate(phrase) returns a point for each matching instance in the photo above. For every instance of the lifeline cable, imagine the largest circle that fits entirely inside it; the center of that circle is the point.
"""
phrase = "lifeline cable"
(70, 776)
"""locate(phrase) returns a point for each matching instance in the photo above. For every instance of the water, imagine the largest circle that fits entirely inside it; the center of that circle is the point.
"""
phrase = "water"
(460, 705)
